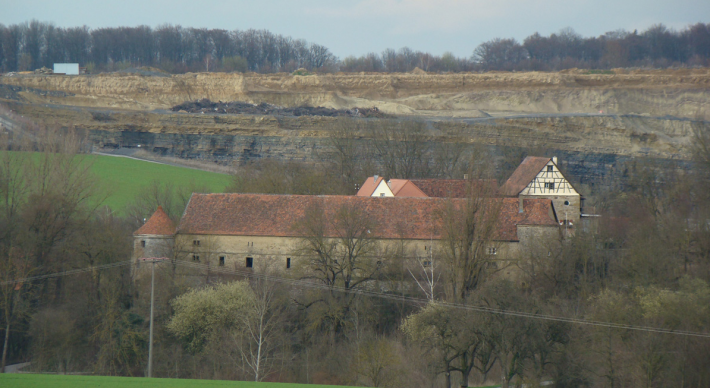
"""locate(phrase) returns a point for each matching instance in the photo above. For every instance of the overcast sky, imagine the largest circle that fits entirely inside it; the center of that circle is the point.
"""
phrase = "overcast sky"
(357, 27)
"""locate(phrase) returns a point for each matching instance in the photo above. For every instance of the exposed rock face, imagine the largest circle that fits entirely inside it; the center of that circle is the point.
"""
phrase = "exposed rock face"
(593, 121)
(658, 93)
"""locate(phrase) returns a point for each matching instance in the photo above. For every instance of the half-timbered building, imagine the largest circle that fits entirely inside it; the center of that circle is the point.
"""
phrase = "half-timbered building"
(539, 177)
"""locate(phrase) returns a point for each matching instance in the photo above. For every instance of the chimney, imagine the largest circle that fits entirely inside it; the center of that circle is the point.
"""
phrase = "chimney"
(376, 177)
(520, 205)
(554, 160)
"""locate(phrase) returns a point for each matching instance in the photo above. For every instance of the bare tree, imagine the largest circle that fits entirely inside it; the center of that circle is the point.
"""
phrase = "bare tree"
(13, 296)
(428, 268)
(403, 148)
(469, 231)
(453, 336)
(258, 342)
(338, 250)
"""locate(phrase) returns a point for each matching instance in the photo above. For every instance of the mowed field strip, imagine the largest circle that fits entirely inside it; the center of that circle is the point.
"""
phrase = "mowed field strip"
(13, 380)
(122, 179)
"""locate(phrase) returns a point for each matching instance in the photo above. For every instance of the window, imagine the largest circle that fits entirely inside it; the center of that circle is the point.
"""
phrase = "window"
(566, 203)
(492, 251)
(382, 194)
(550, 185)
(143, 243)
(550, 168)
(196, 243)
(196, 258)
(250, 262)
(426, 263)
(221, 261)
(288, 262)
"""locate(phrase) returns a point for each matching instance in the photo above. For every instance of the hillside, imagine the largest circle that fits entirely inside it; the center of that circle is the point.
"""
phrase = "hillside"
(657, 93)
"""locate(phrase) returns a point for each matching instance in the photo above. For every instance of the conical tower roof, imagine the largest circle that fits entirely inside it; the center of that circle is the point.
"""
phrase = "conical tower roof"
(159, 224)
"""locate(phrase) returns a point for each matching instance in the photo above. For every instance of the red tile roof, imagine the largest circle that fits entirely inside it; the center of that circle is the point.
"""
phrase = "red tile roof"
(404, 188)
(394, 217)
(158, 224)
(523, 175)
(455, 188)
(369, 186)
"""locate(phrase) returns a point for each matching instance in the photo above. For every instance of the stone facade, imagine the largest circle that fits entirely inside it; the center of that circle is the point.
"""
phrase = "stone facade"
(282, 253)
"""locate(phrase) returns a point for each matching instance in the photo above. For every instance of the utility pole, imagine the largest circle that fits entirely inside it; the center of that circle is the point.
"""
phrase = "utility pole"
(152, 261)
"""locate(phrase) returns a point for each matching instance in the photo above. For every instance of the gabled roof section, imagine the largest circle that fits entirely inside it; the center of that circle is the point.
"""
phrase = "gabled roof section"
(456, 188)
(393, 217)
(369, 186)
(523, 175)
(159, 224)
(405, 188)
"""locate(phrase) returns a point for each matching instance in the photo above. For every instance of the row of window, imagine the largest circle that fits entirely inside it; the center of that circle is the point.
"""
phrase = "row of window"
(249, 262)
(197, 243)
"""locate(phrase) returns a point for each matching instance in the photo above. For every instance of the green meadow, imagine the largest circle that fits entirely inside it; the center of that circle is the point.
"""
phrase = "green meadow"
(14, 380)
(121, 179)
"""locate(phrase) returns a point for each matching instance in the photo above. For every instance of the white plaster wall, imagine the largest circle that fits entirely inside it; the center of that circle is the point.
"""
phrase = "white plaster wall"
(381, 189)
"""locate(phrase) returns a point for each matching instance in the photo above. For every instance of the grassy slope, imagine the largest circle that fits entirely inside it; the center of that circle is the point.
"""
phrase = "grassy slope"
(60, 381)
(125, 178)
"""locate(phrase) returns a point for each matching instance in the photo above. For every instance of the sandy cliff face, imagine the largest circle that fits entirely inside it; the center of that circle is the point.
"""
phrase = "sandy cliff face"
(668, 92)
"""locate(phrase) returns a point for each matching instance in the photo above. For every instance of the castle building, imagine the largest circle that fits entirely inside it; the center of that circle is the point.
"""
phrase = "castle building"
(250, 230)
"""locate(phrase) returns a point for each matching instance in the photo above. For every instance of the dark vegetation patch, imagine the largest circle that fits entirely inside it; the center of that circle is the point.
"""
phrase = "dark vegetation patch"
(240, 107)
(102, 117)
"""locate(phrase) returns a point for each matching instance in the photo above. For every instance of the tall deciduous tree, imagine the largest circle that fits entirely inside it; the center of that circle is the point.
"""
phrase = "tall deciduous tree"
(340, 252)
(469, 230)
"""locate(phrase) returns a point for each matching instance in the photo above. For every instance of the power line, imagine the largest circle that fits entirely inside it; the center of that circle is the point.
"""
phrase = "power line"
(377, 294)
(421, 301)
(68, 272)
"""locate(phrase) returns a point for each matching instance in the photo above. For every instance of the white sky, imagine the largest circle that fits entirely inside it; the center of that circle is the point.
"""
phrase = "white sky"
(357, 27)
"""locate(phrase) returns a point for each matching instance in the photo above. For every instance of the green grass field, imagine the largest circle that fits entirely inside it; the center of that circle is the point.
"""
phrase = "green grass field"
(14, 380)
(124, 178)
